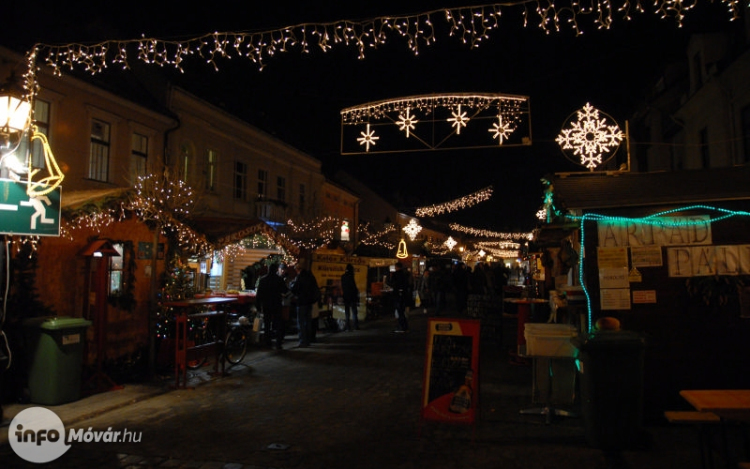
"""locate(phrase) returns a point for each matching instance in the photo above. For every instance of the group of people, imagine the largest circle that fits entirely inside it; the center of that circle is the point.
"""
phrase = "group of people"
(279, 291)
(459, 281)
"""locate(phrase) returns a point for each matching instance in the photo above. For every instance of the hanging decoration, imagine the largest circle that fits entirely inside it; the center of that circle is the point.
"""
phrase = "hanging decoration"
(436, 122)
(469, 24)
(491, 234)
(401, 253)
(412, 229)
(457, 204)
(450, 243)
(592, 138)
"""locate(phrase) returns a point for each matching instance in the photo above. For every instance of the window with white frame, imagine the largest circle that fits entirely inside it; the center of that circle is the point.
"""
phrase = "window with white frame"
(262, 183)
(240, 180)
(281, 188)
(138, 156)
(99, 153)
(211, 162)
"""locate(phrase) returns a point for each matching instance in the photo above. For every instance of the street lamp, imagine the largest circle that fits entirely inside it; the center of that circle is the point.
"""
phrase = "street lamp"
(15, 114)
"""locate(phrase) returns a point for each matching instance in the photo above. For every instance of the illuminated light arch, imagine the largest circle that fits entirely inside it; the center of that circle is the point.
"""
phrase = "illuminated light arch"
(436, 122)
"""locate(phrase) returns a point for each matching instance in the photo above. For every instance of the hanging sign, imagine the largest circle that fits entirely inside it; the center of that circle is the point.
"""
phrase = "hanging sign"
(451, 377)
(21, 214)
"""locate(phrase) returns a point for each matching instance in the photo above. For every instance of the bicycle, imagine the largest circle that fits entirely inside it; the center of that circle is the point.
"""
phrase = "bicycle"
(235, 346)
(205, 338)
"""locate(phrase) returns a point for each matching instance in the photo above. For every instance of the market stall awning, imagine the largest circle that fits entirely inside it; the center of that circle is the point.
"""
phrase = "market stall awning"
(591, 191)
(223, 231)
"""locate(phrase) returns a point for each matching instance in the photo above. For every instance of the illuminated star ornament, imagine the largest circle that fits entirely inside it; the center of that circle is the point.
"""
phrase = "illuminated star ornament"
(450, 243)
(406, 122)
(459, 120)
(368, 138)
(501, 130)
(590, 137)
(412, 229)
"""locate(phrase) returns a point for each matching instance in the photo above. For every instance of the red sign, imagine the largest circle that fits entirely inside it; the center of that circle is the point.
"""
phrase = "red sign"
(451, 377)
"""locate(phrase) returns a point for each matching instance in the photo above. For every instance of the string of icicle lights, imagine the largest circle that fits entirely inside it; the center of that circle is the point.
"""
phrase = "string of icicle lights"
(469, 24)
(490, 234)
(457, 204)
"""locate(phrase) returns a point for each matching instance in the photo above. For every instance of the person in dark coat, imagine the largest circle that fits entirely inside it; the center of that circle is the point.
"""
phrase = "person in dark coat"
(401, 293)
(269, 296)
(306, 291)
(351, 297)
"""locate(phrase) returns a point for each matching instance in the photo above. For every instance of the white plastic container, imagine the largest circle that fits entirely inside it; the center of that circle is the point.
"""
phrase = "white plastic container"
(550, 340)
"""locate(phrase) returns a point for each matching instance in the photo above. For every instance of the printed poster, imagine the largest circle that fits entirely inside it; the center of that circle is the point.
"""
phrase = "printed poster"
(451, 379)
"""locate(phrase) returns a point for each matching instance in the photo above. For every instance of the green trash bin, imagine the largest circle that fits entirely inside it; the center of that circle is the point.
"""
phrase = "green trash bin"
(55, 358)
(611, 368)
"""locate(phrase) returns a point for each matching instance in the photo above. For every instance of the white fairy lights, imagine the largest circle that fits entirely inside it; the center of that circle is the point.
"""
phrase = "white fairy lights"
(457, 204)
(470, 24)
(490, 234)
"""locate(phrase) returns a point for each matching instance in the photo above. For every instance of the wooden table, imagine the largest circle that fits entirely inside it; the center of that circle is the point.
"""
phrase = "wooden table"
(730, 405)
(181, 316)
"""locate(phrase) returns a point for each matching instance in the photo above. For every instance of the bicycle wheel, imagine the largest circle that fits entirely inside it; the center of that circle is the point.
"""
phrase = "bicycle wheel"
(235, 347)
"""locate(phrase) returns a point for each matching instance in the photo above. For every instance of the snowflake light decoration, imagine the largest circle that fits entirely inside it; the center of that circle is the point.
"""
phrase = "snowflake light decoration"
(590, 137)
(501, 130)
(368, 138)
(450, 243)
(412, 229)
(406, 122)
(458, 120)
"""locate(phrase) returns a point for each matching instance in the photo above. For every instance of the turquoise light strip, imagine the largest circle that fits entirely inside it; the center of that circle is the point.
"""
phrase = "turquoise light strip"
(652, 220)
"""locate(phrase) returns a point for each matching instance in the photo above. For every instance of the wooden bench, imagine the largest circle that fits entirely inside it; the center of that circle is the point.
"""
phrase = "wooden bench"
(701, 420)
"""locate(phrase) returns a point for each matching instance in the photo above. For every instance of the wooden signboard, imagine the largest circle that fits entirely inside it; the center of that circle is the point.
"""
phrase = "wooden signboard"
(451, 377)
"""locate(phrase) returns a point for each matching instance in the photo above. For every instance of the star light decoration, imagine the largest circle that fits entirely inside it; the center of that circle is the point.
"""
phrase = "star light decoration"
(459, 120)
(406, 122)
(456, 204)
(450, 243)
(412, 229)
(592, 135)
(368, 138)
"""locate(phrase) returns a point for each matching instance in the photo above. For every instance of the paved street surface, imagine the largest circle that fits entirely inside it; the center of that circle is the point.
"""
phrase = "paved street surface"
(352, 400)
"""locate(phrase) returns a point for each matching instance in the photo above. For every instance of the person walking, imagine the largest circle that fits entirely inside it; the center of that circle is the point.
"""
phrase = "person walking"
(305, 289)
(400, 284)
(269, 295)
(351, 297)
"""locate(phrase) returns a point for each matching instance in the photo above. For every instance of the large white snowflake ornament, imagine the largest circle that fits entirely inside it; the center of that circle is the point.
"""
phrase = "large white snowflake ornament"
(591, 136)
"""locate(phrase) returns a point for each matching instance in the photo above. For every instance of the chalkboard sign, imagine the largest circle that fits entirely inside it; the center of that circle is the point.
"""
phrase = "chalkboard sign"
(451, 378)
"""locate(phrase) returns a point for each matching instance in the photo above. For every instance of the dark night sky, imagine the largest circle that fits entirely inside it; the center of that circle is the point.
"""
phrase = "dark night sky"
(299, 97)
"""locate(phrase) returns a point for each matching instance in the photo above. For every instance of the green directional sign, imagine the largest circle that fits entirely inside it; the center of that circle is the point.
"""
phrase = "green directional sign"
(24, 215)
